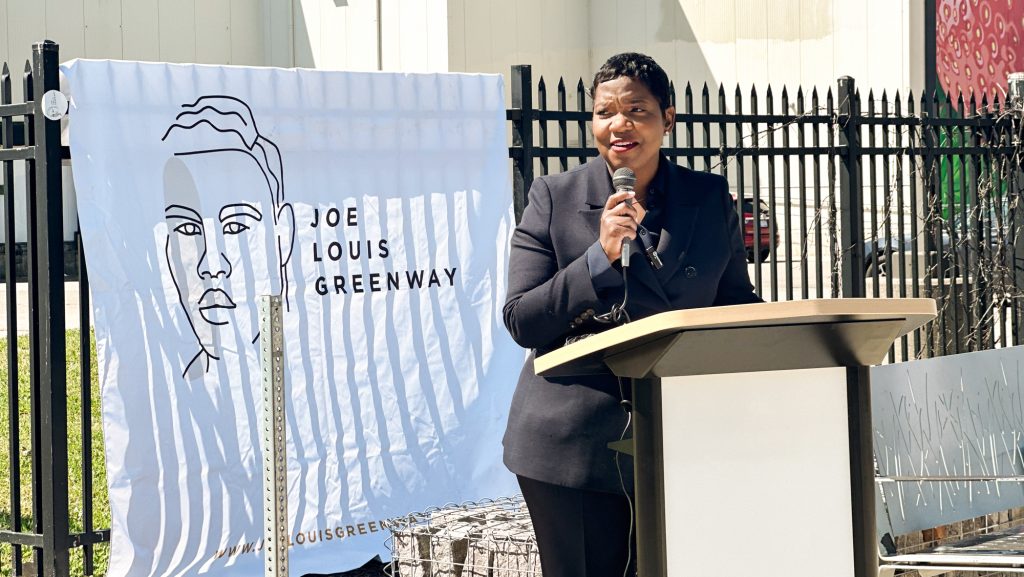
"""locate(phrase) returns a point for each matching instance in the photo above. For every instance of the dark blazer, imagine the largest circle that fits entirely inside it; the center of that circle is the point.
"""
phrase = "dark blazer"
(559, 428)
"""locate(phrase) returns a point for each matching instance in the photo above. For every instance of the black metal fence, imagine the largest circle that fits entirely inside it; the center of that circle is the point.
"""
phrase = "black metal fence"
(882, 197)
(910, 197)
(40, 540)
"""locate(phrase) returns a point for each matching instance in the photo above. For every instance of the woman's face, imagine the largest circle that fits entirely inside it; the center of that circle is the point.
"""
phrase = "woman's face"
(628, 125)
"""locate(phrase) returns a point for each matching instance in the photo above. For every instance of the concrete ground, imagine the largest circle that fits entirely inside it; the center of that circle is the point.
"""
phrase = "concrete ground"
(71, 314)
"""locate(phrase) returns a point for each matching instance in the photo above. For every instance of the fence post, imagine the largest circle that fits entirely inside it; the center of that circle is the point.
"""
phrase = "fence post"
(522, 136)
(851, 193)
(49, 238)
(851, 253)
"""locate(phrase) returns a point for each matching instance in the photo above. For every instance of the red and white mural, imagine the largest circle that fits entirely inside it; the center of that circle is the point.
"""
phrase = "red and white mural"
(977, 44)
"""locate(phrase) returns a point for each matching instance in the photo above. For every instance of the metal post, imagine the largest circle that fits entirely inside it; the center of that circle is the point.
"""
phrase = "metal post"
(1015, 231)
(33, 335)
(275, 474)
(862, 471)
(931, 70)
(10, 268)
(851, 194)
(522, 136)
(85, 346)
(49, 237)
(649, 477)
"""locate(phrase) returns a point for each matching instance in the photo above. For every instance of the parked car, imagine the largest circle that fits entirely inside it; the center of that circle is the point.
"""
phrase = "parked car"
(766, 229)
(880, 256)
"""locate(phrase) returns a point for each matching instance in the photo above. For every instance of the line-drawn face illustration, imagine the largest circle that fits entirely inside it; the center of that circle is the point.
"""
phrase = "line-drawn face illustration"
(229, 233)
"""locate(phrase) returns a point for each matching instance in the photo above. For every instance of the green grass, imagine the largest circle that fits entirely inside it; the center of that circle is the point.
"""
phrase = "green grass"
(101, 508)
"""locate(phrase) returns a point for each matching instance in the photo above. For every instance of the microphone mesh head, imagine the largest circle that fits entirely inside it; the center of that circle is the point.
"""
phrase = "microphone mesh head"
(623, 178)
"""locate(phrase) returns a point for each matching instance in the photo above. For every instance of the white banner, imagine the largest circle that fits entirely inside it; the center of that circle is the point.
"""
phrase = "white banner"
(379, 206)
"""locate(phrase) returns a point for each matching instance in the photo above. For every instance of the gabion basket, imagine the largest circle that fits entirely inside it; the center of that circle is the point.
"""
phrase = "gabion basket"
(482, 539)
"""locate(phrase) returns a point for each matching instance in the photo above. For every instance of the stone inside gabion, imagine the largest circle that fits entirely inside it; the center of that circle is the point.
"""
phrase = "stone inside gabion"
(487, 539)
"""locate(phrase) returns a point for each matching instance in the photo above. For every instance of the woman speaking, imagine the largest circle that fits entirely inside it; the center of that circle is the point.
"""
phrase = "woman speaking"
(566, 280)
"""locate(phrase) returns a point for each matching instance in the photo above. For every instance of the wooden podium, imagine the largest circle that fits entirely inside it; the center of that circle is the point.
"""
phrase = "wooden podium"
(752, 432)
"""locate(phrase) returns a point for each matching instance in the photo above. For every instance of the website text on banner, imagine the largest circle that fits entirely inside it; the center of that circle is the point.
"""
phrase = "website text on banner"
(378, 205)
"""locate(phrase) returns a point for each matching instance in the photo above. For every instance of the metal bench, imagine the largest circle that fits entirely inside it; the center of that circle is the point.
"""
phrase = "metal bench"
(949, 453)
(990, 542)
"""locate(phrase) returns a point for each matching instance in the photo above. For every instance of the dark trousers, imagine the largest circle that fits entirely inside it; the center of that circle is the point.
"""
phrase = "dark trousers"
(580, 533)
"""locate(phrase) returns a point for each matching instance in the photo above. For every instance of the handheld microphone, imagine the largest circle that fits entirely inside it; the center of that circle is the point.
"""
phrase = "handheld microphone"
(623, 179)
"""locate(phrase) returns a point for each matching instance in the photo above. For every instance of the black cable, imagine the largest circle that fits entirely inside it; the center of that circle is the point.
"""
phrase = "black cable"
(627, 406)
(618, 314)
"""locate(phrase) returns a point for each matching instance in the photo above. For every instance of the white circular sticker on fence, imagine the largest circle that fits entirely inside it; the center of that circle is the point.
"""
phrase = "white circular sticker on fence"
(55, 105)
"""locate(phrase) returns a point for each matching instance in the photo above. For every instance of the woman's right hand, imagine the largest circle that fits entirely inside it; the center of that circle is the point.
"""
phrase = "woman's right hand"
(619, 220)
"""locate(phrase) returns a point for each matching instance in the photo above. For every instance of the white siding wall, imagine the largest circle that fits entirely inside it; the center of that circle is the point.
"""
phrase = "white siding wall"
(210, 31)
(493, 35)
(750, 42)
(20, 217)
(70, 207)
(805, 42)
(326, 34)
(415, 36)
(808, 43)
(329, 35)
(757, 42)
(343, 35)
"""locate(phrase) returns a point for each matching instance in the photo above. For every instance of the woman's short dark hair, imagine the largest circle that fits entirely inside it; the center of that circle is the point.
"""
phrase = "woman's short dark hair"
(639, 67)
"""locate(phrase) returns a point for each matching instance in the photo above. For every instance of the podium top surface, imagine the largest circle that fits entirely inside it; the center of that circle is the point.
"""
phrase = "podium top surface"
(863, 328)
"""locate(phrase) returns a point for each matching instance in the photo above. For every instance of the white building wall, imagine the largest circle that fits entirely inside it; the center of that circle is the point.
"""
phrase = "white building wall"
(415, 36)
(324, 34)
(396, 35)
(745, 42)
(750, 42)
(335, 36)
(493, 35)
(757, 43)
(208, 31)
(760, 42)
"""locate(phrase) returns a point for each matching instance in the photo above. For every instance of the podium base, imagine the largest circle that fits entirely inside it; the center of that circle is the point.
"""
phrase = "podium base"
(770, 450)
